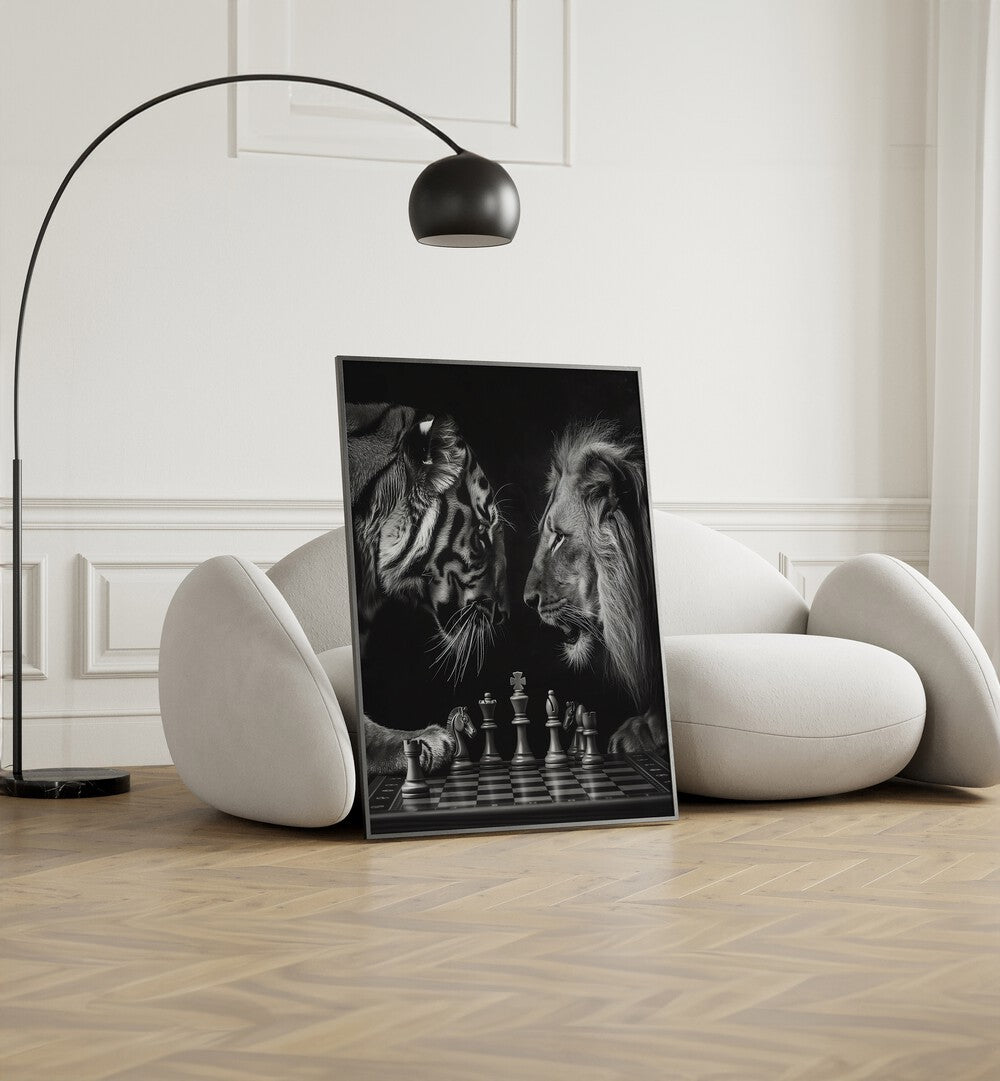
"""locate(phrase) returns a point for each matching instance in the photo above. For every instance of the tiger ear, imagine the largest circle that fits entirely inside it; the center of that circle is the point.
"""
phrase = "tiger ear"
(435, 452)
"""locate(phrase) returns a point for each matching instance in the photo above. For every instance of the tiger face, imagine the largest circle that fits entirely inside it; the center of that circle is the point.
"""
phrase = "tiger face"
(427, 529)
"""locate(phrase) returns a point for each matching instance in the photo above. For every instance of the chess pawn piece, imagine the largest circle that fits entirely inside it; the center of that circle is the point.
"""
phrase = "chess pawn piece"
(591, 756)
(461, 726)
(414, 785)
(555, 755)
(490, 755)
(522, 758)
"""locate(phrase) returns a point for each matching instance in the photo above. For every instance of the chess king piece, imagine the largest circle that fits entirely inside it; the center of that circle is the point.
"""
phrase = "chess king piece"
(555, 756)
(523, 758)
(461, 725)
(490, 756)
(414, 785)
(591, 756)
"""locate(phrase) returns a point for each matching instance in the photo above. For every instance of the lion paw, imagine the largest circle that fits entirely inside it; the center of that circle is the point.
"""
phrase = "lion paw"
(644, 732)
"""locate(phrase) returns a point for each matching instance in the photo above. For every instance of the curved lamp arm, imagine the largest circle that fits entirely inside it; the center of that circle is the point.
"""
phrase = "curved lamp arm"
(460, 201)
(111, 128)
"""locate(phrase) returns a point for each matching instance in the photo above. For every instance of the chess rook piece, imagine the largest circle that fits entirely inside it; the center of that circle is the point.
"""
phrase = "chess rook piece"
(523, 758)
(555, 756)
(490, 756)
(414, 785)
(462, 727)
(591, 756)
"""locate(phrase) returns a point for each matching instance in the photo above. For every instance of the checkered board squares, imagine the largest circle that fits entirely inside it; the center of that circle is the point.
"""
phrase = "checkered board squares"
(635, 785)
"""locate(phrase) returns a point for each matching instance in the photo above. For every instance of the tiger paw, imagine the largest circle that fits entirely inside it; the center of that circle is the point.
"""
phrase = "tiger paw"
(644, 732)
(438, 747)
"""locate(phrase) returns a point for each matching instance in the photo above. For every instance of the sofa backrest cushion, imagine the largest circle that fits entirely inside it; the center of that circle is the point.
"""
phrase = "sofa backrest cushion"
(709, 583)
(313, 579)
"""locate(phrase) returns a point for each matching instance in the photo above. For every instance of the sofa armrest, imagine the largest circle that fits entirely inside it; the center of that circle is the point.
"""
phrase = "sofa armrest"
(884, 601)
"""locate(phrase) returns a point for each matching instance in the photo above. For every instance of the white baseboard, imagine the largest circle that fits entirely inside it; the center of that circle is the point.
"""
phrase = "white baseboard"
(96, 615)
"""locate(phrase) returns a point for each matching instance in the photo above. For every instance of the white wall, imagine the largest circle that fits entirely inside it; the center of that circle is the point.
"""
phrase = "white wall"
(743, 216)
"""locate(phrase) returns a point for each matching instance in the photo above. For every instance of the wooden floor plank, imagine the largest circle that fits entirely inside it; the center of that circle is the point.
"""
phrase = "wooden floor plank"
(849, 939)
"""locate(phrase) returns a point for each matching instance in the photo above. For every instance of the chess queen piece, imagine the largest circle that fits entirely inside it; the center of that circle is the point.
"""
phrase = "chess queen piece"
(555, 756)
(591, 756)
(414, 785)
(490, 755)
(463, 729)
(523, 758)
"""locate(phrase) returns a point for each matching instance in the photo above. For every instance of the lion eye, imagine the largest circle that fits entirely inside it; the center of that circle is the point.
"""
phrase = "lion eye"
(557, 539)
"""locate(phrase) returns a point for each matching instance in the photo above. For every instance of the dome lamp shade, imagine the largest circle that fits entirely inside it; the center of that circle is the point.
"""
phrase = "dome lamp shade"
(464, 201)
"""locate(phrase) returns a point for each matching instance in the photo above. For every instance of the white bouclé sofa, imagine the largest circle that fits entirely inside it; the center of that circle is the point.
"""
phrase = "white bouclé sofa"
(768, 699)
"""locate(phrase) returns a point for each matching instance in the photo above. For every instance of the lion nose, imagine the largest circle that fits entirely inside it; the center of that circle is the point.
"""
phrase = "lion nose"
(532, 598)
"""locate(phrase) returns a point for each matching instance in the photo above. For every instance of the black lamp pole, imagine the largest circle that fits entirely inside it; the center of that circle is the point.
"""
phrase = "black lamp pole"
(461, 201)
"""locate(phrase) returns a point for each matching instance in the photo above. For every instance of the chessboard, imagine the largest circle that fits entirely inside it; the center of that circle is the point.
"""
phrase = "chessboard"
(632, 786)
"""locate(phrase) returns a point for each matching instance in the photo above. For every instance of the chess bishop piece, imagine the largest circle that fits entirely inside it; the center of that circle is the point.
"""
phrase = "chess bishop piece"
(592, 758)
(414, 785)
(555, 756)
(523, 758)
(490, 755)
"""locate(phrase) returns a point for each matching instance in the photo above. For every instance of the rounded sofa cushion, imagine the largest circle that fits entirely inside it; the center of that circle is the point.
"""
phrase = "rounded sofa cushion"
(250, 717)
(339, 667)
(313, 579)
(882, 600)
(786, 716)
(709, 583)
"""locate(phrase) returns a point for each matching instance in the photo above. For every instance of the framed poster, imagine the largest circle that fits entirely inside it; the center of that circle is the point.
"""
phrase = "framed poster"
(506, 640)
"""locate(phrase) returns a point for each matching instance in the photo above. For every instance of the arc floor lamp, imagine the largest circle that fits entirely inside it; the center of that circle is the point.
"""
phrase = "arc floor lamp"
(460, 201)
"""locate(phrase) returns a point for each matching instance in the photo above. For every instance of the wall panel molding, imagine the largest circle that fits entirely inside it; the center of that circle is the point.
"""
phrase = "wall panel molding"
(35, 630)
(888, 514)
(807, 574)
(498, 82)
(122, 606)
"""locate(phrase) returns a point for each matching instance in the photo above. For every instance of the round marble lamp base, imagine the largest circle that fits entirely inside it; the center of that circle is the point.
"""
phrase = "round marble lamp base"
(65, 783)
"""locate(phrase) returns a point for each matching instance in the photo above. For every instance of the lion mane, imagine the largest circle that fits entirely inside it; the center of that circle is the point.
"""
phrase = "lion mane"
(608, 478)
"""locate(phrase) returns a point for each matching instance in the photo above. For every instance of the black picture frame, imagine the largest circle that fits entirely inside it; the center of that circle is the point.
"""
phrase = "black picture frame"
(496, 511)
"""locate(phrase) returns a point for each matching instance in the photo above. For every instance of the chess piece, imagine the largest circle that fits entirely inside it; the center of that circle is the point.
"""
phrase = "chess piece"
(555, 756)
(591, 756)
(490, 755)
(523, 758)
(462, 727)
(576, 750)
(414, 785)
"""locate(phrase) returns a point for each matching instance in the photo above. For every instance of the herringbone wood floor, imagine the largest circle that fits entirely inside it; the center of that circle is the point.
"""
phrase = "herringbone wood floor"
(150, 938)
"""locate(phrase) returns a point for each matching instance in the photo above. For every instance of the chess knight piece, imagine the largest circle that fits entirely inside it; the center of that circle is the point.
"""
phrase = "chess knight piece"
(577, 747)
(555, 756)
(523, 758)
(461, 725)
(490, 755)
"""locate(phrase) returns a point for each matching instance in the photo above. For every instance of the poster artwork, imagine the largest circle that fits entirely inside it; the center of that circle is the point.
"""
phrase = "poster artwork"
(506, 631)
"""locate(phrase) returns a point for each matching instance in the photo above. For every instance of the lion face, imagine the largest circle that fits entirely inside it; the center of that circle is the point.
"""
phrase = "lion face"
(562, 584)
(591, 576)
